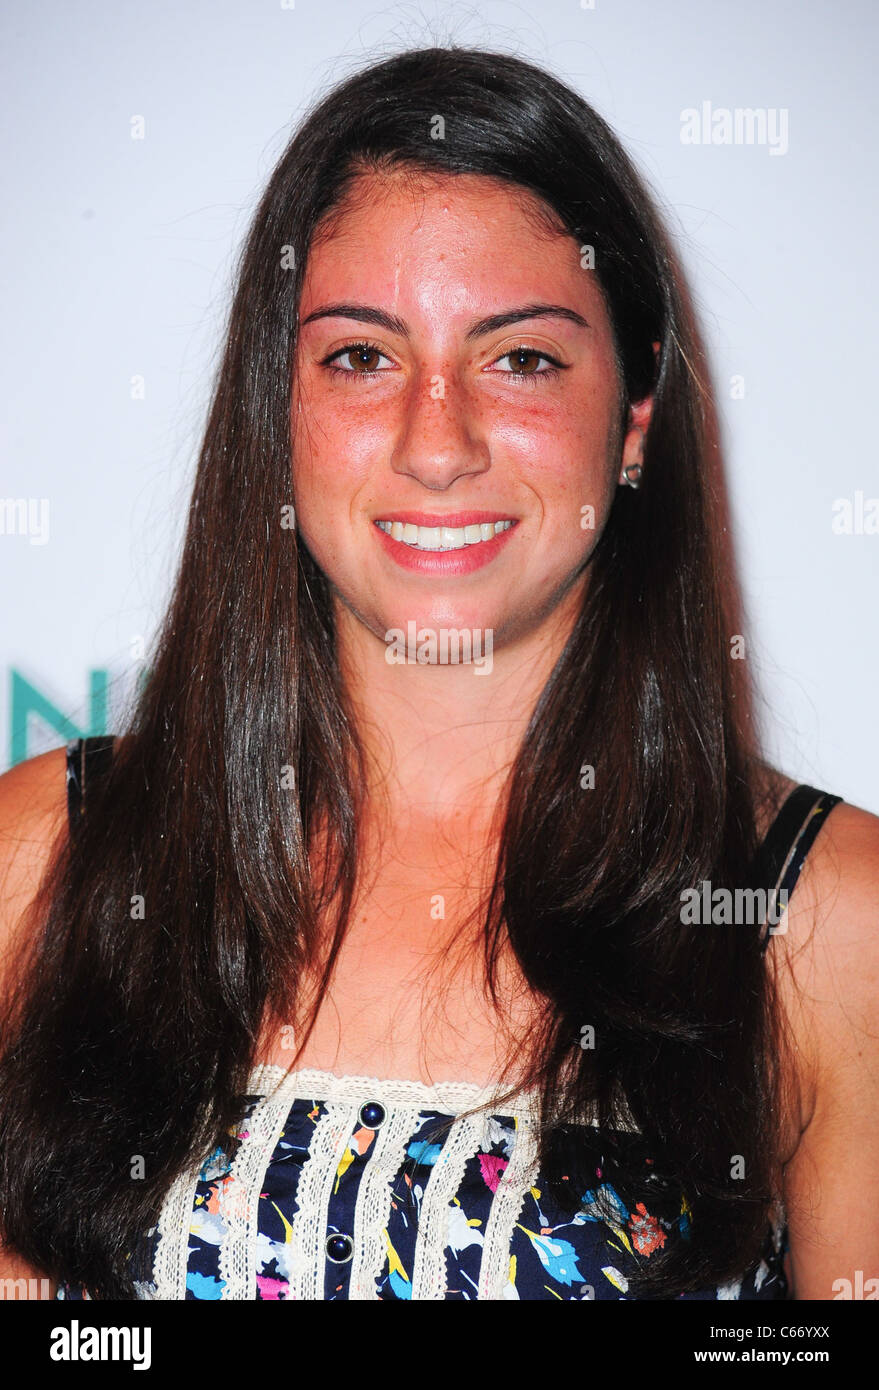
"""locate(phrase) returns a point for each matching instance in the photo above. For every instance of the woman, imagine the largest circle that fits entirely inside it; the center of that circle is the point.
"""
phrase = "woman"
(371, 966)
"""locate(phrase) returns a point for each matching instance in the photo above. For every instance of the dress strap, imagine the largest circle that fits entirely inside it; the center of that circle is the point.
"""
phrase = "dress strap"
(87, 758)
(791, 835)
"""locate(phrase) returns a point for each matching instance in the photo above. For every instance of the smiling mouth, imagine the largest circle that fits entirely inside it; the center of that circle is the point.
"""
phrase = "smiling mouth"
(443, 537)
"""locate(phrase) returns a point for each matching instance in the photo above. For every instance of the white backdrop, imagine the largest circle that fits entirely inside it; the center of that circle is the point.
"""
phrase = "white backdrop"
(118, 254)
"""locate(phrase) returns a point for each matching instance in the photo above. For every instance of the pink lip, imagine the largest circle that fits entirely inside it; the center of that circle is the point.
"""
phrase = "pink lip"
(444, 562)
(444, 519)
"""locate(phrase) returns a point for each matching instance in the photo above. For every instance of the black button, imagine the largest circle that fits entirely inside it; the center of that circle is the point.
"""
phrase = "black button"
(339, 1249)
(372, 1114)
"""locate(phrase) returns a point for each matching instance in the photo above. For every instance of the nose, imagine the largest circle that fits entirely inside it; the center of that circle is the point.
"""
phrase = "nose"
(440, 438)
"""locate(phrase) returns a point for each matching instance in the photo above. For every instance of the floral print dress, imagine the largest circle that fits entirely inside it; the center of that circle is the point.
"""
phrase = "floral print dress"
(355, 1188)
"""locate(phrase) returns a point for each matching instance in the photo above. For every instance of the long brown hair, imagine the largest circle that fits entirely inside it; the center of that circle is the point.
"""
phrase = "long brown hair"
(135, 1036)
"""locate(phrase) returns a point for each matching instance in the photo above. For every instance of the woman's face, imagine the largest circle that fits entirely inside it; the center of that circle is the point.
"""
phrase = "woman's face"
(455, 369)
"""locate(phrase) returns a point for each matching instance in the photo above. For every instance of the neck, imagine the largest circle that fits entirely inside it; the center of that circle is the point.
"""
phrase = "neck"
(440, 739)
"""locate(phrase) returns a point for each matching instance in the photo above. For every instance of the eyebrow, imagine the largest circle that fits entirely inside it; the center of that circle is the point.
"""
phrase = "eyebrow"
(365, 313)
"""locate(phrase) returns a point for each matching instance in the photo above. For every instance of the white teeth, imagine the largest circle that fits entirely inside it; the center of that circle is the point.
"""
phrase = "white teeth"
(442, 537)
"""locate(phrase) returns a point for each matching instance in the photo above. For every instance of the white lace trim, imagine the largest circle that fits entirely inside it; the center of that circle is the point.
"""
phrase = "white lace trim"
(449, 1097)
(314, 1190)
(239, 1198)
(429, 1273)
(373, 1208)
(171, 1255)
(518, 1177)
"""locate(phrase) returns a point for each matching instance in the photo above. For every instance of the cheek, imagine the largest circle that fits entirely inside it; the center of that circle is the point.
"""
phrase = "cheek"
(333, 454)
(563, 456)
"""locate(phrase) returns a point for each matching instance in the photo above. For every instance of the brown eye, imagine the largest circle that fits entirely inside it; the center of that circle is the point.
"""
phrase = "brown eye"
(363, 358)
(524, 361)
(527, 363)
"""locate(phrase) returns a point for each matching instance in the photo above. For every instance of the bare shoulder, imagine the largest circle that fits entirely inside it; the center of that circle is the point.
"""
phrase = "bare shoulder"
(33, 812)
(829, 945)
(827, 961)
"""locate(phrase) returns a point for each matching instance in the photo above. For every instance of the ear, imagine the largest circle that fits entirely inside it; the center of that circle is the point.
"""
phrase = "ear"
(636, 432)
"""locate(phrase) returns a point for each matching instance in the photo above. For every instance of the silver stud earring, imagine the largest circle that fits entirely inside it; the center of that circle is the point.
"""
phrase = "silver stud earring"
(632, 475)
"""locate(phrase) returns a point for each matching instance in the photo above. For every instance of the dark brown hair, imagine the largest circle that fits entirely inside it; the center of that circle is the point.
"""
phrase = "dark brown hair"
(130, 1037)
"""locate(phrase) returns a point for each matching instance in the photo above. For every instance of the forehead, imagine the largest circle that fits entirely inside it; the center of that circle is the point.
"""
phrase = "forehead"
(422, 194)
(465, 237)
